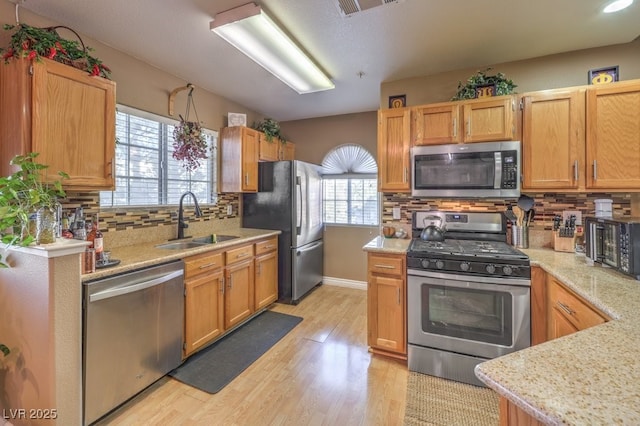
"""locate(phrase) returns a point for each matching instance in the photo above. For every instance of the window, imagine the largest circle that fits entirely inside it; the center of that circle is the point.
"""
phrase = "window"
(350, 186)
(146, 172)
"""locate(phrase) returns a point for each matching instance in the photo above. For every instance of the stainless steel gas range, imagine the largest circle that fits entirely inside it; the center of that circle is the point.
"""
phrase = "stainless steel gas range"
(468, 296)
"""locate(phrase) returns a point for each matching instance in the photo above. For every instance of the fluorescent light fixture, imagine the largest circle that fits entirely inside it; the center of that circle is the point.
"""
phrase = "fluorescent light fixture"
(252, 32)
(617, 5)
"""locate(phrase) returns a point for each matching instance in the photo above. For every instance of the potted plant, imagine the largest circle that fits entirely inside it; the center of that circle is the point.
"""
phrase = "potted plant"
(35, 43)
(502, 85)
(271, 129)
(27, 204)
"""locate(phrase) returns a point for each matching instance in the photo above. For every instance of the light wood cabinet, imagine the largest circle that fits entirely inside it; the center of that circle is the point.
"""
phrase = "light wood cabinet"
(489, 120)
(394, 132)
(436, 124)
(268, 150)
(477, 120)
(512, 415)
(288, 151)
(65, 115)
(239, 281)
(567, 312)
(266, 270)
(239, 152)
(204, 300)
(538, 305)
(553, 138)
(386, 304)
(613, 136)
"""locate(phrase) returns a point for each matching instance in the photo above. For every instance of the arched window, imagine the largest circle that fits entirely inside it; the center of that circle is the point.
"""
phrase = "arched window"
(350, 186)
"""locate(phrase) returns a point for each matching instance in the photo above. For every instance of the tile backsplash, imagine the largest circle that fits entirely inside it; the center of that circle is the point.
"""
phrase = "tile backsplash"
(546, 207)
(151, 223)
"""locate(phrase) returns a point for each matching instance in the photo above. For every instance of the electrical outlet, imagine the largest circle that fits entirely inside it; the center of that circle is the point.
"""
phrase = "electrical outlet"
(567, 213)
(229, 209)
(396, 213)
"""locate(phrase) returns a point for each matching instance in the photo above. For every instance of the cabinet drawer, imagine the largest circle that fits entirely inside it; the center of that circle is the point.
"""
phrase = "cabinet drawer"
(266, 246)
(204, 262)
(239, 254)
(387, 264)
(576, 311)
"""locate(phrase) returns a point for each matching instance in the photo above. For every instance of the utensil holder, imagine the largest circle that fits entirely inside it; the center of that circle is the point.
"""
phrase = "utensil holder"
(520, 236)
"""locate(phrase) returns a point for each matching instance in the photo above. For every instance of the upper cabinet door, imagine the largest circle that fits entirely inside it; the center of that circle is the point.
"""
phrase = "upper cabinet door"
(393, 149)
(65, 115)
(436, 124)
(613, 136)
(269, 150)
(553, 139)
(489, 120)
(239, 150)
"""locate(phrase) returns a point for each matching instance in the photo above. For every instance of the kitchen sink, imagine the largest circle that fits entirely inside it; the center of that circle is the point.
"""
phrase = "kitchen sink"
(180, 245)
(214, 238)
(196, 242)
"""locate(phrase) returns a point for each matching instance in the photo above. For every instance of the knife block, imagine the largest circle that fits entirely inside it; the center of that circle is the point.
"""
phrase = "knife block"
(565, 244)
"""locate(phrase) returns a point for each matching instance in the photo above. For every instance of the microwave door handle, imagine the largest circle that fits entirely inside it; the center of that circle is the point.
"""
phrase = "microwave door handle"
(497, 180)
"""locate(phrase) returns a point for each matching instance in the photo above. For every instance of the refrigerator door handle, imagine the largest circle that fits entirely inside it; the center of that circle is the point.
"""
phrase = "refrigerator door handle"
(299, 206)
(308, 248)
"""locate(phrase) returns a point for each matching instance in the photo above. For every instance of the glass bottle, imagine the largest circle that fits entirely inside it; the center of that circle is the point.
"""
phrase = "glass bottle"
(98, 240)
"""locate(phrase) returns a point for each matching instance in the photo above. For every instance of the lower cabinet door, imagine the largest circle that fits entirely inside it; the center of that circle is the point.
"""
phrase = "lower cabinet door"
(266, 285)
(203, 310)
(239, 293)
(387, 314)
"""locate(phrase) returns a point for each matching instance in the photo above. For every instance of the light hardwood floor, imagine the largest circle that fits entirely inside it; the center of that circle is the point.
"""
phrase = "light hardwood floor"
(321, 373)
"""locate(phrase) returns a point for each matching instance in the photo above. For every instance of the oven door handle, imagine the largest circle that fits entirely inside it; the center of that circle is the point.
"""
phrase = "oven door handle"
(524, 282)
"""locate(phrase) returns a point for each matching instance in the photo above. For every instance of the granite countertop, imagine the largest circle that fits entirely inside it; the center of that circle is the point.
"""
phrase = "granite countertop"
(388, 245)
(137, 256)
(589, 377)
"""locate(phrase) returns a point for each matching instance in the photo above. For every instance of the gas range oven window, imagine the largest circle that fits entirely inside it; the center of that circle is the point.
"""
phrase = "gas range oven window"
(469, 314)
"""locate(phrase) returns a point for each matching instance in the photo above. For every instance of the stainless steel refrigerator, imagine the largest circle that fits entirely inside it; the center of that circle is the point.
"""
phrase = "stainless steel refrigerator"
(289, 198)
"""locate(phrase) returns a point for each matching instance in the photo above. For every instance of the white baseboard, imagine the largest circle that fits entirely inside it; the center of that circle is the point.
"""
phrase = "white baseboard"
(341, 282)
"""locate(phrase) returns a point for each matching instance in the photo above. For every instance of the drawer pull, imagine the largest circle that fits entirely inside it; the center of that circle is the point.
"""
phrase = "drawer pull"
(208, 265)
(242, 255)
(385, 266)
(565, 308)
(269, 246)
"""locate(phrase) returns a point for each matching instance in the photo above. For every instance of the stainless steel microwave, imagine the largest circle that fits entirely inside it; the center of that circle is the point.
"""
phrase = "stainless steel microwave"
(474, 170)
(614, 243)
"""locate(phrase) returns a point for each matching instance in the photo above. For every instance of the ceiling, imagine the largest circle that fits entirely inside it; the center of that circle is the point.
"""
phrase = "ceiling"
(408, 38)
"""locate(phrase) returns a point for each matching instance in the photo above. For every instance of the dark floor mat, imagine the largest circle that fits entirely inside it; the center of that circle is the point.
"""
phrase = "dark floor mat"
(216, 366)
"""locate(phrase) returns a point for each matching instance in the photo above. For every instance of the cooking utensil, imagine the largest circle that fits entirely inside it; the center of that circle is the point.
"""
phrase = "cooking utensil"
(530, 214)
(525, 202)
(432, 232)
(519, 215)
(510, 215)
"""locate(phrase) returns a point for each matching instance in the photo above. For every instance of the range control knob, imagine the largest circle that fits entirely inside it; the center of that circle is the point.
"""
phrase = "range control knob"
(425, 263)
(439, 264)
(490, 269)
(507, 270)
(465, 266)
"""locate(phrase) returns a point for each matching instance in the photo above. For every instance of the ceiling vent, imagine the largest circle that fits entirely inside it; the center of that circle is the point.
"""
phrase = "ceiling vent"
(349, 7)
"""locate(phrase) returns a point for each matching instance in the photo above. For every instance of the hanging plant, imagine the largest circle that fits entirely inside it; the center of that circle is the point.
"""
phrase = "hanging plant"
(501, 85)
(189, 142)
(271, 129)
(35, 43)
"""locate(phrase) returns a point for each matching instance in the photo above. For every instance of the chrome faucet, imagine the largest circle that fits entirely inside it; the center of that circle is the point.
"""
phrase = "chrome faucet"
(181, 223)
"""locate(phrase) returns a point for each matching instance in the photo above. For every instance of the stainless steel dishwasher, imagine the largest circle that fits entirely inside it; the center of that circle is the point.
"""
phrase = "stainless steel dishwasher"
(132, 334)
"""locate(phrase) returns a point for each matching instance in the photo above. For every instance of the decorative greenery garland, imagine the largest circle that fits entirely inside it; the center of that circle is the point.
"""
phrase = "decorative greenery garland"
(503, 86)
(35, 43)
